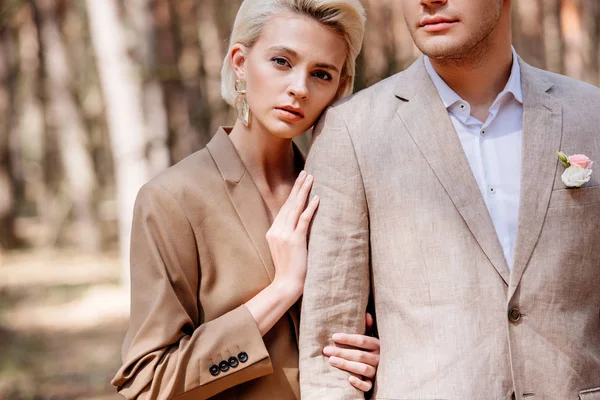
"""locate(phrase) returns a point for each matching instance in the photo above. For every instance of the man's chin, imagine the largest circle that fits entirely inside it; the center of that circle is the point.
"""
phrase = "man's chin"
(441, 47)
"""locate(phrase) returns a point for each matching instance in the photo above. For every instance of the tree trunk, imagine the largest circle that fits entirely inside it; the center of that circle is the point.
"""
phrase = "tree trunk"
(553, 46)
(527, 31)
(213, 46)
(8, 70)
(122, 93)
(573, 38)
(590, 10)
(65, 116)
(139, 14)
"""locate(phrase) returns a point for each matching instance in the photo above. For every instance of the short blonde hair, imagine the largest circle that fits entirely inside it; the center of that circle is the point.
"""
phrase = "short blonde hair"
(344, 16)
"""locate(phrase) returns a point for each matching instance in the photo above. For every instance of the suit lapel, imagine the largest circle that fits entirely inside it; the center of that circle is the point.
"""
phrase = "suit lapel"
(244, 195)
(542, 132)
(248, 202)
(429, 125)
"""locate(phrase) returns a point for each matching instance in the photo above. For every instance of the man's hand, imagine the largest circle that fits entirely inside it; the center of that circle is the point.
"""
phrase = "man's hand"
(360, 356)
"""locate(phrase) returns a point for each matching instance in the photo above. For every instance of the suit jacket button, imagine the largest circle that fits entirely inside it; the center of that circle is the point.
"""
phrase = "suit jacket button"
(233, 362)
(514, 315)
(243, 356)
(224, 366)
(214, 370)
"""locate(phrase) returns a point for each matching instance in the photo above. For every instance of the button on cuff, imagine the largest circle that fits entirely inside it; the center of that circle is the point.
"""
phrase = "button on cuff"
(214, 370)
(224, 366)
(243, 357)
(233, 362)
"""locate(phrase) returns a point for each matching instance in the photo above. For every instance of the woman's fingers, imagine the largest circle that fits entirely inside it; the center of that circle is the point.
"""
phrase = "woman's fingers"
(360, 356)
(299, 202)
(361, 385)
(306, 216)
(298, 184)
(289, 204)
(353, 367)
(359, 341)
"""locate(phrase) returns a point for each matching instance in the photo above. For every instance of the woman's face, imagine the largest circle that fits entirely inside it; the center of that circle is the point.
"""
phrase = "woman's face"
(292, 73)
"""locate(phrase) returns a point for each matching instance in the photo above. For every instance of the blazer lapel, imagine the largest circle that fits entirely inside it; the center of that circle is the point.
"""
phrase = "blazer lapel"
(429, 125)
(542, 132)
(244, 196)
(248, 202)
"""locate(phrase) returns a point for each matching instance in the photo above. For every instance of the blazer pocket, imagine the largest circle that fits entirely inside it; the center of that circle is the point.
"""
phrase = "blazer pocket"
(575, 197)
(590, 394)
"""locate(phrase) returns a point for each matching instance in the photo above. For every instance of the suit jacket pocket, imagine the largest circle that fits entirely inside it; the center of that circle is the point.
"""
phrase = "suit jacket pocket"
(590, 394)
(575, 197)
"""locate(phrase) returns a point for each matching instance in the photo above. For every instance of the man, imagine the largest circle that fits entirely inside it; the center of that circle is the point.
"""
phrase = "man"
(441, 193)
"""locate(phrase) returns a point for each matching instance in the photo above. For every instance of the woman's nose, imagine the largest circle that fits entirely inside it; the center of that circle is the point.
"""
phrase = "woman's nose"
(299, 88)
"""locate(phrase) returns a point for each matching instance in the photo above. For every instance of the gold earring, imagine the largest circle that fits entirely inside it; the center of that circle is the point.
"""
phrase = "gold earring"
(241, 105)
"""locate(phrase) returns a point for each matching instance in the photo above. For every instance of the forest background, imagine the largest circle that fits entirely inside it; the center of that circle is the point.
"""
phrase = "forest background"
(96, 97)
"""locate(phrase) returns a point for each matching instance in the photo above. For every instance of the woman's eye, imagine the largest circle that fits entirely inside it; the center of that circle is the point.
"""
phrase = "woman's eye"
(322, 75)
(281, 62)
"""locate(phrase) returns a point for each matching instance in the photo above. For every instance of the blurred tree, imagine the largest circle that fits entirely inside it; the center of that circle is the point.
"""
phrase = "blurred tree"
(528, 31)
(143, 49)
(64, 117)
(7, 96)
(96, 97)
(124, 106)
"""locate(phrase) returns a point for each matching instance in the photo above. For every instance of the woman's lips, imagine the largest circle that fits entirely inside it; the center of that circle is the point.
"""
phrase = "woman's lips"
(288, 115)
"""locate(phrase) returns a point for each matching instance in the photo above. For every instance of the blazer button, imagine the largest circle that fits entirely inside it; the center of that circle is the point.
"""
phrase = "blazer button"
(224, 366)
(243, 356)
(214, 370)
(514, 315)
(233, 362)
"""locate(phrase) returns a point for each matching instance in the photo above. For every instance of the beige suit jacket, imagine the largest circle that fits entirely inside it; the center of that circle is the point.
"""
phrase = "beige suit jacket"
(401, 214)
(198, 253)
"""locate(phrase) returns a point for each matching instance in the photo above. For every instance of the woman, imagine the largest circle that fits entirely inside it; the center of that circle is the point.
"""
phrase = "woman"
(214, 308)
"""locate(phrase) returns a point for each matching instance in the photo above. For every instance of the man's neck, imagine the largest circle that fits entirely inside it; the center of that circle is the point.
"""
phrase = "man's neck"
(478, 79)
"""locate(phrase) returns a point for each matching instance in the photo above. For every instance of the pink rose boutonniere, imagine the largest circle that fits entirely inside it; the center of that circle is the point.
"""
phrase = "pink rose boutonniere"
(579, 169)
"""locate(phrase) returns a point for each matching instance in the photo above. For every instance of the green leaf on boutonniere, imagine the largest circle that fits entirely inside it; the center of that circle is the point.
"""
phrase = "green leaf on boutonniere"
(563, 158)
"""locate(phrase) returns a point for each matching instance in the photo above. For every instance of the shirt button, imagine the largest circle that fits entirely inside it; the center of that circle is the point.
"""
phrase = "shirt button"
(462, 106)
(482, 132)
(493, 190)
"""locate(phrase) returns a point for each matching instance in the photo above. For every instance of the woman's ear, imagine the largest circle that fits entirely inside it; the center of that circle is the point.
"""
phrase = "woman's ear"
(237, 56)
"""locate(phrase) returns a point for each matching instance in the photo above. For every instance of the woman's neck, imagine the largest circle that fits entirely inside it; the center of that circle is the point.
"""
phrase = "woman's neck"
(268, 158)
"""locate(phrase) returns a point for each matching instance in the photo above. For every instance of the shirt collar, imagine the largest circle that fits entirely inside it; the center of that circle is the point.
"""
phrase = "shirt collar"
(450, 97)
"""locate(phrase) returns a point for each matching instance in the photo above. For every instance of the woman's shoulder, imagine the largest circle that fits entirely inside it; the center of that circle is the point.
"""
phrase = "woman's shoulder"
(191, 177)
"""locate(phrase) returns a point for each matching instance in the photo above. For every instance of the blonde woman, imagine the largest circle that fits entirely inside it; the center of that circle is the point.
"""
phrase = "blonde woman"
(218, 251)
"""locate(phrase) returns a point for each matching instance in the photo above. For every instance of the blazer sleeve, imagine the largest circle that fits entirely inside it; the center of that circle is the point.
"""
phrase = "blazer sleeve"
(337, 284)
(167, 352)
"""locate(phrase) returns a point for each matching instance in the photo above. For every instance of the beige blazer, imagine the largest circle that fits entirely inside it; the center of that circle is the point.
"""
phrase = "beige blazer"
(401, 212)
(198, 253)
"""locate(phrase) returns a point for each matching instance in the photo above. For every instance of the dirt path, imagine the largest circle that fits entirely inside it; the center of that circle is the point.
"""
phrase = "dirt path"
(62, 320)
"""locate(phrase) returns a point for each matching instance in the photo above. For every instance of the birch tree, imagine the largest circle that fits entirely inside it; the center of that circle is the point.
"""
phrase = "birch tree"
(122, 93)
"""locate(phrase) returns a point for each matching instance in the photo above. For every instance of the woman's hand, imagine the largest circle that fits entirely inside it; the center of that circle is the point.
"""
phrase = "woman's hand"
(361, 359)
(287, 235)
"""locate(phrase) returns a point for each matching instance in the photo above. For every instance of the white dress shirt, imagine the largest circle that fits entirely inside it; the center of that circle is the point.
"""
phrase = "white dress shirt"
(493, 149)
